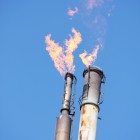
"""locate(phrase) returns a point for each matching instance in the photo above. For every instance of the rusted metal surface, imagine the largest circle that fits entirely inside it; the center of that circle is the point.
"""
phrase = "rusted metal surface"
(88, 122)
(90, 100)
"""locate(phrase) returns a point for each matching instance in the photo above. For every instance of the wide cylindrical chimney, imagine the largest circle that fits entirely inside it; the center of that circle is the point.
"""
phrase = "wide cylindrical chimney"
(63, 127)
(93, 77)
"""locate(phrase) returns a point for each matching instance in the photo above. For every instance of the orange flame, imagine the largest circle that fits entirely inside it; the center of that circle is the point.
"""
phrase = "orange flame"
(63, 59)
(56, 53)
(88, 59)
(72, 45)
(72, 12)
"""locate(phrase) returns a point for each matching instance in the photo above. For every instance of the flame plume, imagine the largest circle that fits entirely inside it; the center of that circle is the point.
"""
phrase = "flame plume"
(63, 59)
(72, 12)
(88, 59)
(56, 53)
(72, 45)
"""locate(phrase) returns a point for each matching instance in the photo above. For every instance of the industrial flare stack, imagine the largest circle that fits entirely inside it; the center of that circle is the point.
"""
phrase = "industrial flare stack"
(63, 127)
(89, 105)
(93, 77)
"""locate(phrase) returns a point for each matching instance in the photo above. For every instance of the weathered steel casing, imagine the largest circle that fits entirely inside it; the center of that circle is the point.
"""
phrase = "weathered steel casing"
(92, 82)
(89, 108)
(67, 91)
(63, 126)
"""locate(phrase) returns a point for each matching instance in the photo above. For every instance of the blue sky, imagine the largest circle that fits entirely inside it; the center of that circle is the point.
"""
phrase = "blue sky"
(31, 88)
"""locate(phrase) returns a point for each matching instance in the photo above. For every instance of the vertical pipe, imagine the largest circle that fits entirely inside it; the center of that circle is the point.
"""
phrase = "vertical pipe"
(63, 126)
(89, 108)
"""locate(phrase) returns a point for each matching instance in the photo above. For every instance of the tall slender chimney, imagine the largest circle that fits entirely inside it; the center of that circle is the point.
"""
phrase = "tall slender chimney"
(63, 127)
(93, 77)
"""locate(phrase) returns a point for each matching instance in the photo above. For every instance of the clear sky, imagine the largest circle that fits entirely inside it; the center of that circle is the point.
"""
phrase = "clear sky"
(31, 88)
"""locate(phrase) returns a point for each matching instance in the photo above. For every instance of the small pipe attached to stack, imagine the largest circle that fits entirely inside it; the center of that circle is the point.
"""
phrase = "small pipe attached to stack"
(63, 127)
(93, 77)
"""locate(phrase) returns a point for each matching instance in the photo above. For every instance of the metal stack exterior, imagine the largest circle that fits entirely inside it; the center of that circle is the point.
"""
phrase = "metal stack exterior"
(63, 127)
(93, 77)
